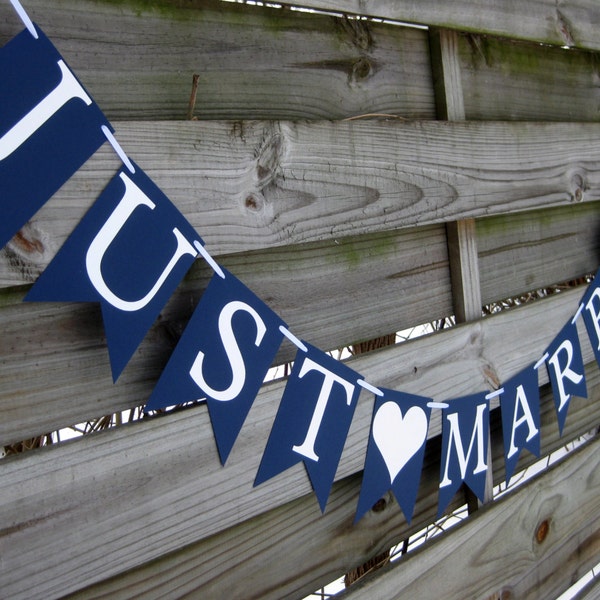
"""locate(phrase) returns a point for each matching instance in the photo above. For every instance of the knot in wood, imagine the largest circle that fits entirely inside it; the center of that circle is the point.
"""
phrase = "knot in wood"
(541, 533)
(361, 69)
(577, 185)
(379, 506)
(254, 202)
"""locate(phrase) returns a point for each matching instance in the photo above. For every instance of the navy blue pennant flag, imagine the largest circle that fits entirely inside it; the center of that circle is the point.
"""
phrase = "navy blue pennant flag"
(465, 433)
(395, 451)
(129, 252)
(49, 126)
(313, 420)
(520, 409)
(591, 314)
(566, 372)
(223, 356)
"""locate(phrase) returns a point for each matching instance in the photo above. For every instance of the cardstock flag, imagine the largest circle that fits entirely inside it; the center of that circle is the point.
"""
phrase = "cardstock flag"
(591, 314)
(223, 356)
(520, 409)
(129, 253)
(566, 372)
(396, 450)
(49, 126)
(465, 432)
(313, 420)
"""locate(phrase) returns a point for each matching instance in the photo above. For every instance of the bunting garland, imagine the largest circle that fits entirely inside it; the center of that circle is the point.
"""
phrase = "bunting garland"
(133, 247)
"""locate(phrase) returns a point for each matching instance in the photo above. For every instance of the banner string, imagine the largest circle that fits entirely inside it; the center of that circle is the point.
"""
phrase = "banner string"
(25, 18)
(290, 336)
(495, 393)
(440, 405)
(209, 259)
(577, 314)
(540, 362)
(117, 148)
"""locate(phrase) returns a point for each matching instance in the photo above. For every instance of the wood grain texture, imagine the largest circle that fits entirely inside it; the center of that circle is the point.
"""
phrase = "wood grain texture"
(572, 23)
(263, 553)
(143, 490)
(138, 59)
(532, 250)
(510, 80)
(253, 185)
(507, 552)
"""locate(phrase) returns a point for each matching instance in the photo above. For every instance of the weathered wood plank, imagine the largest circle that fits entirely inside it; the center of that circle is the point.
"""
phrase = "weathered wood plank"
(531, 250)
(574, 23)
(507, 549)
(253, 185)
(143, 490)
(508, 80)
(263, 554)
(138, 58)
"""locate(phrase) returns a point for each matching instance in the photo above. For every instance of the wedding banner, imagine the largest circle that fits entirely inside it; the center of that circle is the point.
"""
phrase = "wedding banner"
(129, 252)
(395, 451)
(49, 126)
(222, 356)
(520, 411)
(313, 420)
(465, 433)
(133, 247)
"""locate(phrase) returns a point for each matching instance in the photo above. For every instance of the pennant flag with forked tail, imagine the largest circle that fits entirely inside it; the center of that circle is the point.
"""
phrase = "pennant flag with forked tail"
(129, 253)
(520, 408)
(395, 451)
(49, 126)
(565, 369)
(465, 433)
(313, 420)
(222, 356)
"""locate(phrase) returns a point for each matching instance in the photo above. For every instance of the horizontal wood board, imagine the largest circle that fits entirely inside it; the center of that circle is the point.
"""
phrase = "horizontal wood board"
(507, 552)
(573, 22)
(252, 185)
(137, 59)
(291, 534)
(147, 489)
(535, 249)
(509, 80)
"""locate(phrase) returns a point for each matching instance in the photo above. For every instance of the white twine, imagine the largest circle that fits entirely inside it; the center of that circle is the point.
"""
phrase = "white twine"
(540, 362)
(369, 387)
(25, 18)
(290, 336)
(440, 405)
(574, 319)
(117, 148)
(495, 393)
(209, 259)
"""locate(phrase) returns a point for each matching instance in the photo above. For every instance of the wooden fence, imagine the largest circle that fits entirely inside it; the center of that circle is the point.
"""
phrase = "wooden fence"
(362, 177)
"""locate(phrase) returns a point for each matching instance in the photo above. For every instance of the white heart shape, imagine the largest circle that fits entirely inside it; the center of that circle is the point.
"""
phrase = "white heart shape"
(399, 437)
